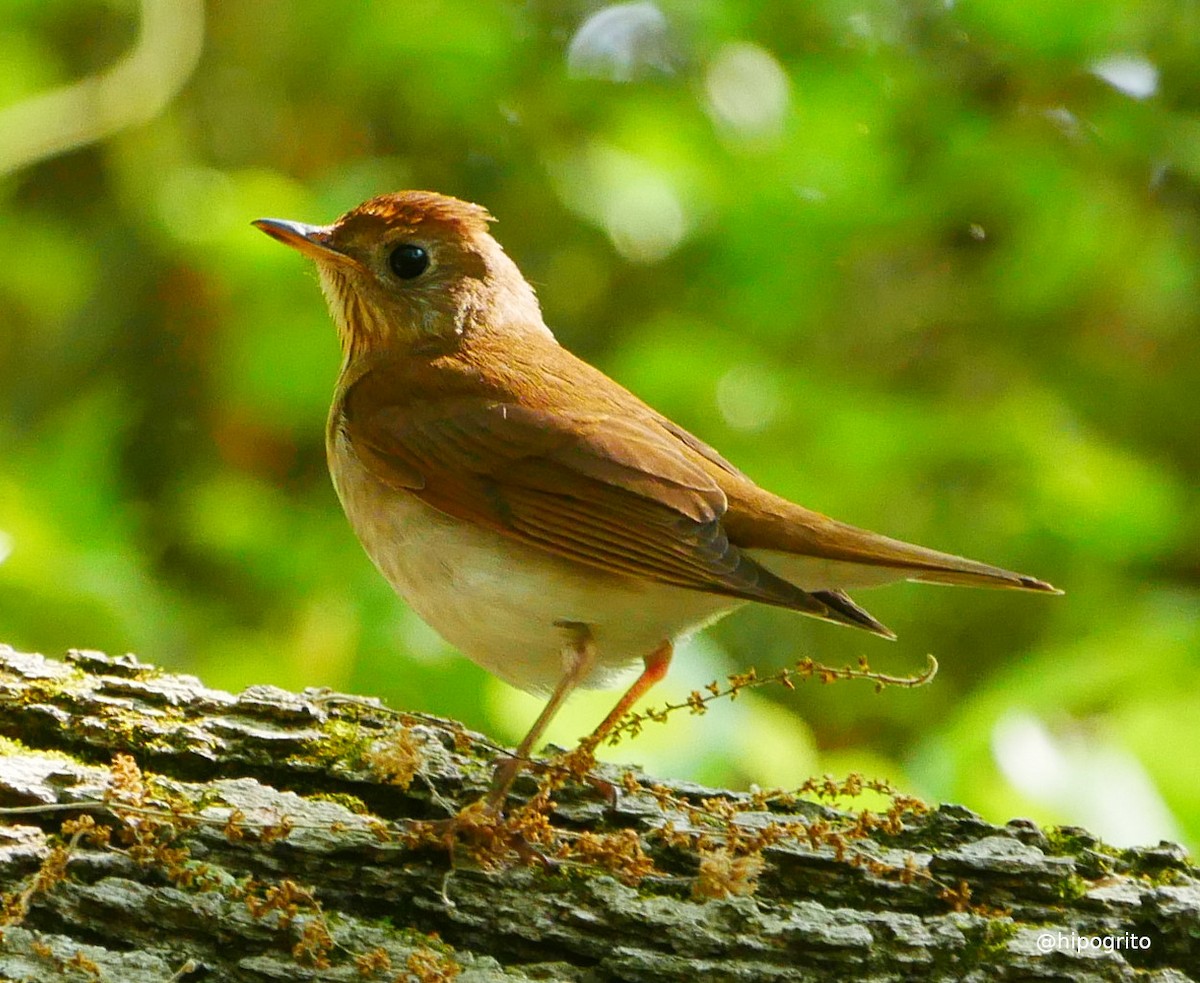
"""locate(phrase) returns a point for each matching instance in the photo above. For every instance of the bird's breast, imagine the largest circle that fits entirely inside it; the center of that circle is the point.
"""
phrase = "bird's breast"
(501, 602)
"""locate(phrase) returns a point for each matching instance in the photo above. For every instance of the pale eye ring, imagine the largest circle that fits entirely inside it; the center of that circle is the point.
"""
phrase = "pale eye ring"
(408, 261)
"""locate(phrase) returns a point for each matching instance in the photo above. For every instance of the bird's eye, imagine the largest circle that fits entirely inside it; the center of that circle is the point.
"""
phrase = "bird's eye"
(408, 261)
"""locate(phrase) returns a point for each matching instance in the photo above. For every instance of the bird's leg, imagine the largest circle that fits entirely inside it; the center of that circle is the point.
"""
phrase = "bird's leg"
(657, 664)
(583, 758)
(579, 658)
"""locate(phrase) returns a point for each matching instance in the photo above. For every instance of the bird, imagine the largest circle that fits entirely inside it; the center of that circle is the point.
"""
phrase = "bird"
(544, 520)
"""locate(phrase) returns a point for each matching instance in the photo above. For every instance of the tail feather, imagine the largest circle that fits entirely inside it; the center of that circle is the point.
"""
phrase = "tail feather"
(817, 552)
(824, 557)
(993, 577)
(928, 566)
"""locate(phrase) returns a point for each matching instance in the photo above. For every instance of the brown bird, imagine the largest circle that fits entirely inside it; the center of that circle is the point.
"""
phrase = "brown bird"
(538, 515)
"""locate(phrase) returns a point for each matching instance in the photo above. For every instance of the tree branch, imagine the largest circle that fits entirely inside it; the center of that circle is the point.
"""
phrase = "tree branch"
(155, 830)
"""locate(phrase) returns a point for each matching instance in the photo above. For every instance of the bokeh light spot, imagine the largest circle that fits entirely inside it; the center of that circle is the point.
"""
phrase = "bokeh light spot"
(1132, 74)
(620, 43)
(748, 397)
(635, 202)
(748, 92)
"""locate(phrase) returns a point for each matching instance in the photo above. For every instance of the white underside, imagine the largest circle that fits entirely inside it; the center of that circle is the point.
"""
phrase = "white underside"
(502, 603)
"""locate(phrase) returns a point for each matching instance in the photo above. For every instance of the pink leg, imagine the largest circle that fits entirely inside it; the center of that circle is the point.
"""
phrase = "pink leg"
(657, 664)
(579, 657)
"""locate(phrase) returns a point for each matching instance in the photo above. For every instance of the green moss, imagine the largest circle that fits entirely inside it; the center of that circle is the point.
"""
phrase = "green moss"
(145, 672)
(51, 689)
(995, 936)
(419, 940)
(167, 732)
(1155, 866)
(985, 940)
(11, 747)
(1072, 888)
(1069, 842)
(1061, 843)
(341, 743)
(350, 802)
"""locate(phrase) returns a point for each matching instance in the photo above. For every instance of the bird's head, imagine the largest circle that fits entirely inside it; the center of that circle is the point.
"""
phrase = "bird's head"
(413, 270)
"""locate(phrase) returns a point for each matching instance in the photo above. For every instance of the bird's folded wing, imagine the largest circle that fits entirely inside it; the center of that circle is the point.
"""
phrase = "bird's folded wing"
(596, 488)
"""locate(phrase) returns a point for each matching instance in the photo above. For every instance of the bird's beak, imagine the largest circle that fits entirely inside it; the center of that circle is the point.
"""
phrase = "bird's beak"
(312, 240)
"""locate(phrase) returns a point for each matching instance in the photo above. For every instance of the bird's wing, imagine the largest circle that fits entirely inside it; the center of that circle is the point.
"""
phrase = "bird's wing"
(596, 488)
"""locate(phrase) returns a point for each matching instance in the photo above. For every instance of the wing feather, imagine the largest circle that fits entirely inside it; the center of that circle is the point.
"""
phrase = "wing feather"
(596, 488)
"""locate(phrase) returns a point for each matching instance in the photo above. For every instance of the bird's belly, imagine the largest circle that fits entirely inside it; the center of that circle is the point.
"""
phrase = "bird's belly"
(503, 604)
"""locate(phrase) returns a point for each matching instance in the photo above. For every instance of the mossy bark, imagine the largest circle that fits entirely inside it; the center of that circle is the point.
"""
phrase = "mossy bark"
(267, 836)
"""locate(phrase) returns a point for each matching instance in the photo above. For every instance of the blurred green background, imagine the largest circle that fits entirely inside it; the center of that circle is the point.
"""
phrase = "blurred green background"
(929, 267)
